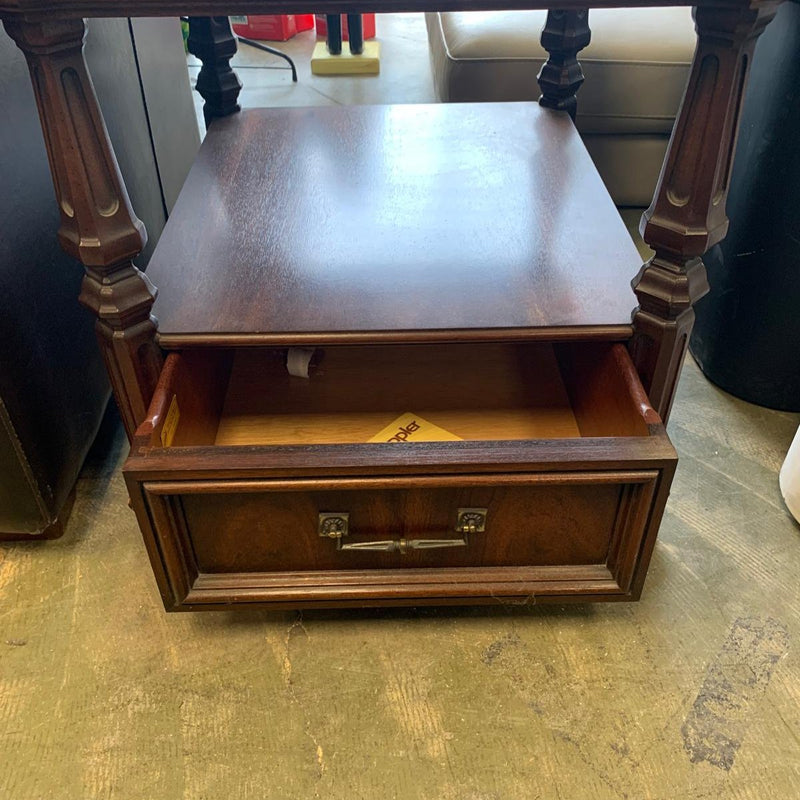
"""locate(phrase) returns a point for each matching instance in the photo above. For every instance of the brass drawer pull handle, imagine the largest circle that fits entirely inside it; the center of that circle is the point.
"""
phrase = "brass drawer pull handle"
(335, 525)
(402, 545)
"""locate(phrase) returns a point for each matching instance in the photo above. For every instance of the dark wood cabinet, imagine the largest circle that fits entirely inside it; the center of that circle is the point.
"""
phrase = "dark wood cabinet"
(462, 264)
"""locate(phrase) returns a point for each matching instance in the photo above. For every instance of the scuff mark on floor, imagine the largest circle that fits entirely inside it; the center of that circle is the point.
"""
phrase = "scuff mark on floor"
(9, 569)
(736, 678)
(319, 753)
(495, 649)
(416, 708)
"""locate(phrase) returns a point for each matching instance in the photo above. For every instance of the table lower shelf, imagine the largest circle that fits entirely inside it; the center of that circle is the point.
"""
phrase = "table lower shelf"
(392, 223)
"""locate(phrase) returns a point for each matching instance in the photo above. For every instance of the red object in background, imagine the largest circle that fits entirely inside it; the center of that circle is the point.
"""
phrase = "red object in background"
(272, 27)
(369, 26)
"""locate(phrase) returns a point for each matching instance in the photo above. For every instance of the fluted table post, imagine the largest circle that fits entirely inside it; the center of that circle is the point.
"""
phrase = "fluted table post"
(687, 215)
(98, 226)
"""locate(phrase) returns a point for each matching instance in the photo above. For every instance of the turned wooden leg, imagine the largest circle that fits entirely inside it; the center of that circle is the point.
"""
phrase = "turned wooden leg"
(98, 226)
(565, 33)
(687, 215)
(212, 41)
(355, 33)
(333, 38)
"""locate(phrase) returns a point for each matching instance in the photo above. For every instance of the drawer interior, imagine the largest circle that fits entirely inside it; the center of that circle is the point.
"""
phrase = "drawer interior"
(469, 391)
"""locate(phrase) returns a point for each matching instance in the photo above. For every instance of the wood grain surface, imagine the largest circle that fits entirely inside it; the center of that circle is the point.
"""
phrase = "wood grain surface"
(320, 222)
(175, 8)
(526, 526)
(559, 535)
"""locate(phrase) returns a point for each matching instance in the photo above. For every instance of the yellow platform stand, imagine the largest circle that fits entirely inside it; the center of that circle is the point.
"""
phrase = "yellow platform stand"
(367, 63)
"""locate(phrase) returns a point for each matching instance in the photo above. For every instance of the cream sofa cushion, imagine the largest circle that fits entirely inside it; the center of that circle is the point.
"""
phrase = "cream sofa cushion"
(636, 65)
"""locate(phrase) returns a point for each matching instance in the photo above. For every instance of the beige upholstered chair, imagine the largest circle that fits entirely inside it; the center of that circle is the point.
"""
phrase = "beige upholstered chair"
(636, 68)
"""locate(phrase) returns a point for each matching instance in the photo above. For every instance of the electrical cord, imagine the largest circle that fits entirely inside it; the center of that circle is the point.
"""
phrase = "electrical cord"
(265, 48)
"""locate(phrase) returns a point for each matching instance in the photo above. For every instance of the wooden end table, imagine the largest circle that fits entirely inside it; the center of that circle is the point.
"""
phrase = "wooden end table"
(461, 264)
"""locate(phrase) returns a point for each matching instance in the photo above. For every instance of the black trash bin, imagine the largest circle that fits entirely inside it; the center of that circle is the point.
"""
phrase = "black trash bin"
(747, 335)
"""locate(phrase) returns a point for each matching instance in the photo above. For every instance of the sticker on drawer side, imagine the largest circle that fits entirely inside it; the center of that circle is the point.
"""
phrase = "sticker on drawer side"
(413, 428)
(170, 423)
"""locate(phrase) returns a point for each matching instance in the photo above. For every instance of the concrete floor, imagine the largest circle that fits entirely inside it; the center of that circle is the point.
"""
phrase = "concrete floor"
(692, 693)
(405, 72)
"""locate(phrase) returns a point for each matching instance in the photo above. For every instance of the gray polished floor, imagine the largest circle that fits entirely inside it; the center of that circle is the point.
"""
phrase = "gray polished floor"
(692, 693)
(405, 75)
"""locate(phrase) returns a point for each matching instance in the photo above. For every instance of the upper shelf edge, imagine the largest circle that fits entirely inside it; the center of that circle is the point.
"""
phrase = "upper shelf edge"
(37, 9)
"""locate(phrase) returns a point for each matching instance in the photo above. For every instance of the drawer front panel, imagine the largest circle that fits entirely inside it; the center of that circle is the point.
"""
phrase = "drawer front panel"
(525, 525)
(566, 534)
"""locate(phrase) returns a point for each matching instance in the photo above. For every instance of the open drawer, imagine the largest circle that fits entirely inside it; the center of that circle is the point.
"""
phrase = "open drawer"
(542, 473)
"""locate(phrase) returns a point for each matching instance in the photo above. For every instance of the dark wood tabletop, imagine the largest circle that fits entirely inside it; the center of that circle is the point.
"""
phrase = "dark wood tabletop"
(391, 219)
(173, 8)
